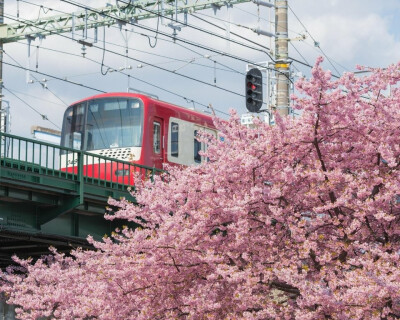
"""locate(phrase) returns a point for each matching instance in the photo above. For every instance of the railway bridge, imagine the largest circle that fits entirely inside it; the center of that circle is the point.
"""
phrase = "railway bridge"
(44, 204)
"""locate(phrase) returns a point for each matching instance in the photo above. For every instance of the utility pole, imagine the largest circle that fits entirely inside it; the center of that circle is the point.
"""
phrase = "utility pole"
(2, 125)
(282, 63)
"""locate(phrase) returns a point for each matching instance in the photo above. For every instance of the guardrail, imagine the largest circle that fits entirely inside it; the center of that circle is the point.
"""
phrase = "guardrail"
(47, 159)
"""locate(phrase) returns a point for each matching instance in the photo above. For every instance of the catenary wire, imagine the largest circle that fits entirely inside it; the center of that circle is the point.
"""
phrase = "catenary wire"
(250, 13)
(91, 73)
(311, 45)
(186, 24)
(189, 100)
(296, 60)
(181, 74)
(150, 53)
(147, 63)
(189, 42)
(181, 39)
(54, 77)
(299, 53)
(38, 98)
(44, 117)
(198, 45)
(153, 65)
(154, 30)
(315, 42)
(55, 95)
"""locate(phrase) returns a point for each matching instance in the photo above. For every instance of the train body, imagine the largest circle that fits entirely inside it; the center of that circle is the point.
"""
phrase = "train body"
(131, 127)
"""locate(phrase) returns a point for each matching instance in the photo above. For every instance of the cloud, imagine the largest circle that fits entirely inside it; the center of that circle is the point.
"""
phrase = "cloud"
(350, 32)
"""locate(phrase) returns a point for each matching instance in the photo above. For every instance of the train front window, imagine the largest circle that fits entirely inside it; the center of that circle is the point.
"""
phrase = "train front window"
(110, 123)
(73, 126)
(114, 123)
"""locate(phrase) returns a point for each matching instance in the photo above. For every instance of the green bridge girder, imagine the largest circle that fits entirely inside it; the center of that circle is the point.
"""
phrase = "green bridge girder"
(42, 205)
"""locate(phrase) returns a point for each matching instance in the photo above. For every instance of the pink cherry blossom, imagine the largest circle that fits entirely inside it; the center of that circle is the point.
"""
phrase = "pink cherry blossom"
(296, 221)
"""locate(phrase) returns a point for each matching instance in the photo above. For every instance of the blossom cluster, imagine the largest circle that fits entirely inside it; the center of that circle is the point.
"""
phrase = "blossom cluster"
(299, 220)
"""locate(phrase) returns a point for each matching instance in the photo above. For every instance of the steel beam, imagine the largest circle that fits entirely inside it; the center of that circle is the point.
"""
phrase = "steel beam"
(106, 16)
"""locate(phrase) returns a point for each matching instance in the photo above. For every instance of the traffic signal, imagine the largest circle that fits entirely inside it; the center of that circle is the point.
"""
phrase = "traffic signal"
(254, 97)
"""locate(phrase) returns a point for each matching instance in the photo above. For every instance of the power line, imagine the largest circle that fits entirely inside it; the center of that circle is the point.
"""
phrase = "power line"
(293, 59)
(235, 34)
(181, 39)
(158, 67)
(315, 42)
(54, 77)
(185, 41)
(36, 97)
(250, 13)
(189, 100)
(161, 68)
(294, 47)
(44, 117)
(186, 24)
(193, 43)
(45, 87)
(155, 30)
(142, 51)
(315, 49)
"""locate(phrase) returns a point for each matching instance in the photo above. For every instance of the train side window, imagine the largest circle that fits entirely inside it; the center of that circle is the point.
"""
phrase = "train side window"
(197, 148)
(174, 139)
(156, 137)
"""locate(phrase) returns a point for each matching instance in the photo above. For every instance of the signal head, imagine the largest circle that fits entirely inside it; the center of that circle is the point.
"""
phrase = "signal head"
(254, 93)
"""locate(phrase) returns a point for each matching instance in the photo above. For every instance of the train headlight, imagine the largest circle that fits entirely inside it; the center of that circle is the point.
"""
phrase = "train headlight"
(122, 172)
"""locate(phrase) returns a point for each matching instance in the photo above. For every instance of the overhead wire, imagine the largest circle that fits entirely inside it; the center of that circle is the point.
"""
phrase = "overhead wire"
(147, 52)
(219, 52)
(188, 100)
(236, 34)
(193, 43)
(182, 39)
(44, 117)
(155, 30)
(299, 53)
(306, 64)
(315, 42)
(311, 45)
(158, 25)
(160, 63)
(250, 13)
(151, 64)
(53, 93)
(291, 58)
(191, 26)
(54, 77)
(248, 40)
(38, 98)
(104, 53)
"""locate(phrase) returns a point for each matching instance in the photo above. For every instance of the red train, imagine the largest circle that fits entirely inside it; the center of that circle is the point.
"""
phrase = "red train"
(131, 127)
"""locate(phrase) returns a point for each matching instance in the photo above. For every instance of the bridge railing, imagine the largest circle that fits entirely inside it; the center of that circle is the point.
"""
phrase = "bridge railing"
(43, 158)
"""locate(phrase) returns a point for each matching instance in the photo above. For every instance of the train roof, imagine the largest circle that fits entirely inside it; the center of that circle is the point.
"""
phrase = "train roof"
(145, 98)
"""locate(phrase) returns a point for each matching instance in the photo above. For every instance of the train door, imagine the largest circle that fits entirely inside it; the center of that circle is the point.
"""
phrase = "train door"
(158, 142)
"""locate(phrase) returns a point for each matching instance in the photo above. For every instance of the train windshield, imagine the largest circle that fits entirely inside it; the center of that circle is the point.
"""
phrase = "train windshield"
(103, 124)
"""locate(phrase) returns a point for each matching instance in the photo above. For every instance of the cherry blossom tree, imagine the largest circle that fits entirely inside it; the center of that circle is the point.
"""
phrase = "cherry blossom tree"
(300, 220)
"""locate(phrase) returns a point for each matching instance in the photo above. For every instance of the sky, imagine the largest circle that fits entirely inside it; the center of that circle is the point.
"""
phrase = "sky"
(349, 33)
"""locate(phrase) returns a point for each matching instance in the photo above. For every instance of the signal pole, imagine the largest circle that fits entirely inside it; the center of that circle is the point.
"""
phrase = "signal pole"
(282, 63)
